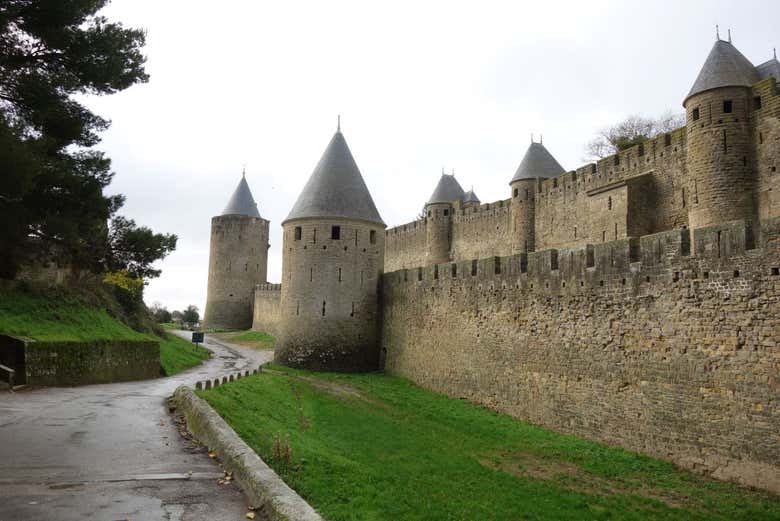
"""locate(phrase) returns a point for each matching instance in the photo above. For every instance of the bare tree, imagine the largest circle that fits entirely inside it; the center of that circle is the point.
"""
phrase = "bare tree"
(629, 132)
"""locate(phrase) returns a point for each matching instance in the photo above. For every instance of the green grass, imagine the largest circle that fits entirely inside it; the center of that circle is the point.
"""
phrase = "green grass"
(58, 317)
(372, 447)
(256, 339)
(177, 354)
(61, 317)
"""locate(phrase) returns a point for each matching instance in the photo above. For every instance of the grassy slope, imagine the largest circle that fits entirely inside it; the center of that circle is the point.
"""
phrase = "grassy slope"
(177, 354)
(372, 447)
(59, 317)
(255, 339)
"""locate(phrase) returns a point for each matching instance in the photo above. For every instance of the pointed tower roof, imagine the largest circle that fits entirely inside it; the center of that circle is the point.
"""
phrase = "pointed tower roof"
(470, 197)
(537, 162)
(725, 67)
(447, 190)
(336, 188)
(770, 68)
(241, 202)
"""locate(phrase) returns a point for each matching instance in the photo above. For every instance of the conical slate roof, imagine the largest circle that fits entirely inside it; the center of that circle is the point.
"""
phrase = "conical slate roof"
(242, 202)
(447, 191)
(725, 67)
(336, 188)
(470, 197)
(769, 68)
(537, 162)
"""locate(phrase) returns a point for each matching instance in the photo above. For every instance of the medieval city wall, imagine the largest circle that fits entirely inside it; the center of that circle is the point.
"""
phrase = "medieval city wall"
(638, 191)
(634, 342)
(266, 315)
(405, 245)
(482, 231)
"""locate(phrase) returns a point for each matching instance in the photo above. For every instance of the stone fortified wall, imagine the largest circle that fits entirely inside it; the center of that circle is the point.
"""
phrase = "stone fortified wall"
(633, 342)
(266, 313)
(643, 190)
(58, 363)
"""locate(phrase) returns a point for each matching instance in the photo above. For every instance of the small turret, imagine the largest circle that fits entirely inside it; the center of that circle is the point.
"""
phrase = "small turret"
(537, 164)
(720, 148)
(238, 259)
(470, 199)
(332, 262)
(438, 213)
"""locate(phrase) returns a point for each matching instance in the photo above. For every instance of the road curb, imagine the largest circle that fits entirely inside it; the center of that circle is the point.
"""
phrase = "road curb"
(263, 487)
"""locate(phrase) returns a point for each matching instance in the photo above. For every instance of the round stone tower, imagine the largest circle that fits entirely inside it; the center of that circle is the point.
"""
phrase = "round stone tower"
(332, 262)
(719, 139)
(238, 259)
(438, 215)
(537, 164)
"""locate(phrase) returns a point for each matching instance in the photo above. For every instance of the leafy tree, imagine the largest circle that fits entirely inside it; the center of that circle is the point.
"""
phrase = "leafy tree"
(160, 313)
(135, 249)
(51, 188)
(629, 132)
(190, 316)
(177, 317)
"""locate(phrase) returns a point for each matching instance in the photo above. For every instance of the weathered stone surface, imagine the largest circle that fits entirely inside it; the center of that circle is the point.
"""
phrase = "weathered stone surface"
(329, 303)
(80, 363)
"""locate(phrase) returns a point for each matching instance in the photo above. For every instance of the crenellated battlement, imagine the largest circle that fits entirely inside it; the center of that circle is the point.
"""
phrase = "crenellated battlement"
(625, 265)
(267, 288)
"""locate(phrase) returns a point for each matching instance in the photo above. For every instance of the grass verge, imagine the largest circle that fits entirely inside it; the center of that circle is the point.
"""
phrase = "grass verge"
(373, 447)
(177, 354)
(255, 339)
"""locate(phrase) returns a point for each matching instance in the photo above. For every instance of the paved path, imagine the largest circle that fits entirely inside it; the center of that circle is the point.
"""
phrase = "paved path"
(111, 452)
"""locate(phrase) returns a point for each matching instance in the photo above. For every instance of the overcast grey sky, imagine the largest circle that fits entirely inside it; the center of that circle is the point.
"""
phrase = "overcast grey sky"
(419, 85)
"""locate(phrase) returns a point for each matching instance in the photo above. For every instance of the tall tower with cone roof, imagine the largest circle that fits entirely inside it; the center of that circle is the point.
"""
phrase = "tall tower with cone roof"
(720, 144)
(537, 164)
(332, 263)
(238, 260)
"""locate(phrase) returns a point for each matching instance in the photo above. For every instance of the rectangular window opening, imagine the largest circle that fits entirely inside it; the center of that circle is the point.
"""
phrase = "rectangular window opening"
(695, 114)
(757, 103)
(419, 274)
(335, 232)
(435, 271)
(454, 268)
(667, 140)
(497, 265)
(474, 268)
(728, 106)
(298, 233)
(372, 236)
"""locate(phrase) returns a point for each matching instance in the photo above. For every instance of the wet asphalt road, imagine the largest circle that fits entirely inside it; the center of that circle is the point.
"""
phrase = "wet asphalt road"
(112, 452)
